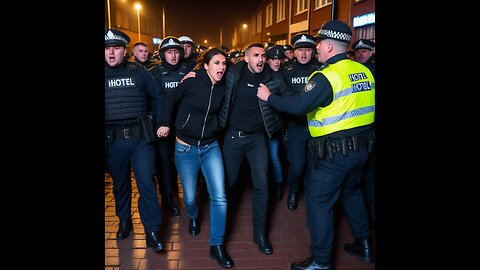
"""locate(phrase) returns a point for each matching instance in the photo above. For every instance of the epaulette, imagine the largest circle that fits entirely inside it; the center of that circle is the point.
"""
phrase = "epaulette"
(323, 66)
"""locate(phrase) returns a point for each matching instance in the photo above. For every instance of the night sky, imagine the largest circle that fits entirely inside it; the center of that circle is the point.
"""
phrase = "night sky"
(202, 20)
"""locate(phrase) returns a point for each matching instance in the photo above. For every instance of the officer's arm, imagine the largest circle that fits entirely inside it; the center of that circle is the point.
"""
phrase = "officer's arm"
(156, 96)
(171, 101)
(319, 95)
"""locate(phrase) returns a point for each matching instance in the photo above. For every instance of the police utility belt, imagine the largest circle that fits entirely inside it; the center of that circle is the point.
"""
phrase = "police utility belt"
(321, 147)
(145, 128)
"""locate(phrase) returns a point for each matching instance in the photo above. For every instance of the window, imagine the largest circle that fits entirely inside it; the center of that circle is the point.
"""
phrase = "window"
(301, 6)
(280, 10)
(259, 21)
(322, 3)
(269, 15)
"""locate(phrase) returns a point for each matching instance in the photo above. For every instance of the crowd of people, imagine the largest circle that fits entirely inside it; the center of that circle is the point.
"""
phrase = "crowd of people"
(200, 114)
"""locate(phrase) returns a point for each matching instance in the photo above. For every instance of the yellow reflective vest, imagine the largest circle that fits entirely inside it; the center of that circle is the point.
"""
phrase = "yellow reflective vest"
(353, 102)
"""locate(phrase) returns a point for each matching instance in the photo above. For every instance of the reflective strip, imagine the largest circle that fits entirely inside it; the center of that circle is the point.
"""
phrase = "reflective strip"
(363, 86)
(333, 119)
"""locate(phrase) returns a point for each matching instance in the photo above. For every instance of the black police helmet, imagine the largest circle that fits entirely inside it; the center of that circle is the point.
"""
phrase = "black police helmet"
(114, 37)
(170, 42)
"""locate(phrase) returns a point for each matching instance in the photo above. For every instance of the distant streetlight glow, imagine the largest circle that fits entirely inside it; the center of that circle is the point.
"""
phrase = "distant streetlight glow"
(109, 20)
(244, 26)
(138, 7)
(205, 41)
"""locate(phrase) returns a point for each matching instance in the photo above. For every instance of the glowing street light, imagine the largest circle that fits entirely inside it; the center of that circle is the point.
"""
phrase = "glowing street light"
(244, 26)
(138, 7)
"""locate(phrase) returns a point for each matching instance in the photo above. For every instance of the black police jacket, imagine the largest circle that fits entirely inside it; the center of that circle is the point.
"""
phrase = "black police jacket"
(272, 119)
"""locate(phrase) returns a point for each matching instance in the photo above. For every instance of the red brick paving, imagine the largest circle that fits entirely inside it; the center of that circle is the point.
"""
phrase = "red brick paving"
(287, 233)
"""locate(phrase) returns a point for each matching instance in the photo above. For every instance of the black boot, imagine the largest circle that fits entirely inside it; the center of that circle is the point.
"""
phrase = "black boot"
(170, 206)
(124, 229)
(361, 248)
(278, 191)
(153, 241)
(194, 226)
(310, 264)
(220, 254)
(292, 200)
(263, 244)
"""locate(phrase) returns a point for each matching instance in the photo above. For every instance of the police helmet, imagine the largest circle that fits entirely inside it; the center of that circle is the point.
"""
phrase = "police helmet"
(114, 37)
(186, 39)
(170, 42)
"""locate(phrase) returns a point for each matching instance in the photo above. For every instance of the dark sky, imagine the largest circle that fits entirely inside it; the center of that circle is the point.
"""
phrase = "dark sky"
(202, 20)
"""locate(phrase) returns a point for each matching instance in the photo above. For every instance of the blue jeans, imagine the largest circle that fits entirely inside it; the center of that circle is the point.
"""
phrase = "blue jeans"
(189, 159)
(273, 145)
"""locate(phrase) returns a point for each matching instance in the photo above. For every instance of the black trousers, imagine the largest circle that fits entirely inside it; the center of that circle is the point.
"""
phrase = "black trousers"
(120, 156)
(335, 178)
(255, 149)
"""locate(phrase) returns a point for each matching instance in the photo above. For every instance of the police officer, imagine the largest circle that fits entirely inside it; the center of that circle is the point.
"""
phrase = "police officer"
(275, 54)
(296, 73)
(364, 54)
(190, 56)
(363, 49)
(339, 101)
(128, 89)
(168, 75)
(288, 49)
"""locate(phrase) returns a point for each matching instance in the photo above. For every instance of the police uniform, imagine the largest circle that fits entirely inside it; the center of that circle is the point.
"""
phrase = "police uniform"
(368, 179)
(191, 61)
(287, 47)
(339, 101)
(128, 89)
(168, 77)
(367, 45)
(297, 135)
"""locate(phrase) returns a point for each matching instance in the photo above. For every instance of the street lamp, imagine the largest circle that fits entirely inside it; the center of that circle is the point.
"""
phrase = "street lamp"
(108, 10)
(138, 7)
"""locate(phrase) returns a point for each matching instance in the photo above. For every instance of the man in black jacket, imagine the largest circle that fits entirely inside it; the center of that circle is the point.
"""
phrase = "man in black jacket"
(247, 121)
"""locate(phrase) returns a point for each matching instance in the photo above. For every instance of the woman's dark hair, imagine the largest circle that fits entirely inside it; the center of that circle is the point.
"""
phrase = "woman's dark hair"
(206, 56)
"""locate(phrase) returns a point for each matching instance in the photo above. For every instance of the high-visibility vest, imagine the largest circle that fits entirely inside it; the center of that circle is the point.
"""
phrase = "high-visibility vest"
(353, 102)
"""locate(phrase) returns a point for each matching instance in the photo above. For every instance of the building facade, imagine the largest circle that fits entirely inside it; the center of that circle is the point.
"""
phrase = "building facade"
(278, 21)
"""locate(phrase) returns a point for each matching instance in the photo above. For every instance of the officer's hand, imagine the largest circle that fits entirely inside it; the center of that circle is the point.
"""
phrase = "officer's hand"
(190, 74)
(163, 131)
(263, 92)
